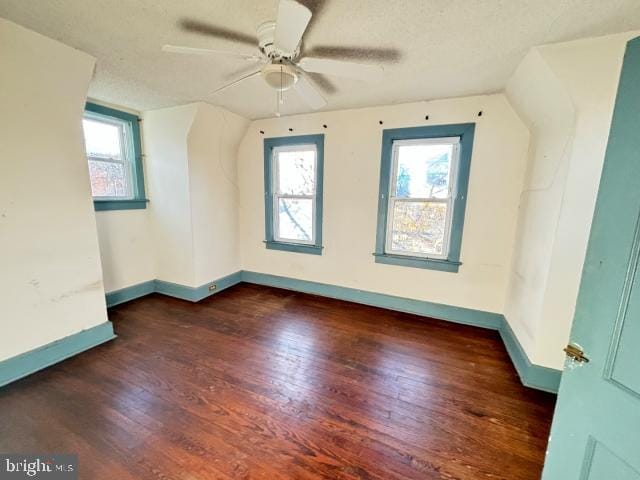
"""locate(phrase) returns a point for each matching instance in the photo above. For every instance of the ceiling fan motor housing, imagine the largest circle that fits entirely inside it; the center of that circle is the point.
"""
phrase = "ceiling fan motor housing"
(266, 34)
(266, 41)
(280, 76)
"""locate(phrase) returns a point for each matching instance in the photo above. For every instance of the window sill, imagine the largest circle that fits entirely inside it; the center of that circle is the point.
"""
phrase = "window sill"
(133, 204)
(418, 262)
(294, 247)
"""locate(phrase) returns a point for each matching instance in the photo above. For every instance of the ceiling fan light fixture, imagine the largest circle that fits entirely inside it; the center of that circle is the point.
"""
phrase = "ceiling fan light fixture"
(279, 76)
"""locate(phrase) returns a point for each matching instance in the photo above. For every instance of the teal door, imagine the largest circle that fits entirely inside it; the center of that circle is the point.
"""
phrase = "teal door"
(596, 428)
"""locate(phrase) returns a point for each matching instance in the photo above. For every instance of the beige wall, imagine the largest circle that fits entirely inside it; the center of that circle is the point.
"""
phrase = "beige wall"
(213, 150)
(192, 180)
(51, 281)
(126, 248)
(126, 243)
(167, 177)
(188, 233)
(351, 178)
(548, 261)
(545, 106)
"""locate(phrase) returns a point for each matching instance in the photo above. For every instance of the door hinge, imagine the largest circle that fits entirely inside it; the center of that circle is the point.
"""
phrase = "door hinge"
(576, 353)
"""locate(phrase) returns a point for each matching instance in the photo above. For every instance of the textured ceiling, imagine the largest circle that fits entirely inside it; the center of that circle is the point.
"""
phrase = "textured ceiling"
(445, 47)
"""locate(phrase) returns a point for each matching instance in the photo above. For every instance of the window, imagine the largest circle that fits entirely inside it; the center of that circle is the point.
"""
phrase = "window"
(293, 186)
(112, 143)
(423, 188)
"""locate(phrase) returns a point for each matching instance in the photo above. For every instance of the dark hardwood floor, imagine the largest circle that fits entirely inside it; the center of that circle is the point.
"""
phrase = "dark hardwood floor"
(257, 382)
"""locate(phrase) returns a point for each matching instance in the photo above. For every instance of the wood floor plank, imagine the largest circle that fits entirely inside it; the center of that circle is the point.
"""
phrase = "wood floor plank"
(257, 382)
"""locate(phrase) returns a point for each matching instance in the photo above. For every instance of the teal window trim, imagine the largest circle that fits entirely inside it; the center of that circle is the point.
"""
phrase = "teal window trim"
(269, 145)
(139, 201)
(465, 131)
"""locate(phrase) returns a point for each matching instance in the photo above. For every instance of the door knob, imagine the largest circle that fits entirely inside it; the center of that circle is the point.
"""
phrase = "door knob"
(575, 353)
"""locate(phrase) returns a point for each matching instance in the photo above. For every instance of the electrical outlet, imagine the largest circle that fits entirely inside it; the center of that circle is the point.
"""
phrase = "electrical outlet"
(212, 287)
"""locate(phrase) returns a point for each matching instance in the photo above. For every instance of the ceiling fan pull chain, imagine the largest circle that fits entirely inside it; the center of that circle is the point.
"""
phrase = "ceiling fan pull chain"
(281, 82)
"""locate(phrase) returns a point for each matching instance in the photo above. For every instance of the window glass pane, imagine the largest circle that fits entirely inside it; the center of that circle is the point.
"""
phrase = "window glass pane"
(102, 139)
(296, 172)
(423, 171)
(295, 219)
(419, 227)
(108, 179)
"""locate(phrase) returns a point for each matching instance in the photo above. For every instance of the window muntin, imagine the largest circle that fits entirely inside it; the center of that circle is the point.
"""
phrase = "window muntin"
(420, 200)
(110, 153)
(295, 178)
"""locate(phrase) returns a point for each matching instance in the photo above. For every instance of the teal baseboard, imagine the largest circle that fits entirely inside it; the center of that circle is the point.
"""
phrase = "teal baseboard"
(531, 375)
(192, 294)
(176, 290)
(440, 311)
(130, 293)
(195, 294)
(30, 362)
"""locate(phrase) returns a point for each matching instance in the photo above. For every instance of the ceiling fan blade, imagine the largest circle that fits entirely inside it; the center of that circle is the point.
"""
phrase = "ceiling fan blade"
(309, 93)
(318, 9)
(357, 71)
(292, 21)
(355, 53)
(195, 26)
(236, 82)
(323, 82)
(208, 52)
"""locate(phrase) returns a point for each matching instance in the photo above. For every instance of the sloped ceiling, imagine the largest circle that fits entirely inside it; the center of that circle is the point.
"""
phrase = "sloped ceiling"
(439, 48)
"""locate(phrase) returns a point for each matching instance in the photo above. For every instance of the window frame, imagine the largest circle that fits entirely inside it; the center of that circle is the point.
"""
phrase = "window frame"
(133, 142)
(271, 146)
(448, 200)
(459, 187)
(277, 196)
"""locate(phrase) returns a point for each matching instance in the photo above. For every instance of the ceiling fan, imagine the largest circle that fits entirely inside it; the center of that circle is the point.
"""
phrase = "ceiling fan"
(279, 59)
